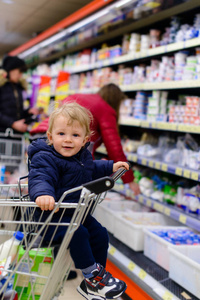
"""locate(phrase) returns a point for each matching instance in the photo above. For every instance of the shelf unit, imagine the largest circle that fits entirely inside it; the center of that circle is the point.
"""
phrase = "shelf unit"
(169, 210)
(131, 57)
(139, 275)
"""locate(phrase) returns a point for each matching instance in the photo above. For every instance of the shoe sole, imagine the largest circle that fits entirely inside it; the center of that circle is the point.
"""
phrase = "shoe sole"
(89, 296)
(117, 296)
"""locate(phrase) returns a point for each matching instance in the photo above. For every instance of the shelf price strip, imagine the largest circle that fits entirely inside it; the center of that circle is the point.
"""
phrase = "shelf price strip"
(195, 176)
(167, 296)
(142, 274)
(182, 218)
(131, 266)
(167, 211)
(112, 250)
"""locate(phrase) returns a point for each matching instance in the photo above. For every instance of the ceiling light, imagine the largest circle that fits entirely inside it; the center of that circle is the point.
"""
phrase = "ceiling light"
(74, 27)
(88, 20)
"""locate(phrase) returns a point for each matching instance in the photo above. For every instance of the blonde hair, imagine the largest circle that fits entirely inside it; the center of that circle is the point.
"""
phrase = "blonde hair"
(72, 111)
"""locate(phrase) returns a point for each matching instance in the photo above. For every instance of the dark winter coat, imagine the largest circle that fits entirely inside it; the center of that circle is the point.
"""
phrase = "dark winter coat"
(52, 174)
(104, 127)
(11, 103)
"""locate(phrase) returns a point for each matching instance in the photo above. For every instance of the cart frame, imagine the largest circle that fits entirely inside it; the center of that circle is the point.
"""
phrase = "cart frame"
(91, 194)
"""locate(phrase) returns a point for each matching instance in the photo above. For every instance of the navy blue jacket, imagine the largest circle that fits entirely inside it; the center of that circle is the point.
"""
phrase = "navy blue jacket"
(51, 174)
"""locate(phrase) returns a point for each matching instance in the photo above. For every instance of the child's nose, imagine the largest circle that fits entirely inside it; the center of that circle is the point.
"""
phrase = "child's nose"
(68, 138)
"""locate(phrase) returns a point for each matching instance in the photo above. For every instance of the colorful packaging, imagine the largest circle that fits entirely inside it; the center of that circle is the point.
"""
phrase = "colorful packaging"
(40, 260)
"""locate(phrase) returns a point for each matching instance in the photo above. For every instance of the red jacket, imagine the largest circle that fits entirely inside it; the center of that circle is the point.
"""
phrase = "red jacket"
(104, 127)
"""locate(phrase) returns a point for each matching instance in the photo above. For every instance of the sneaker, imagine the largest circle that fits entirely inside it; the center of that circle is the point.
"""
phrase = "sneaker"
(103, 284)
(83, 291)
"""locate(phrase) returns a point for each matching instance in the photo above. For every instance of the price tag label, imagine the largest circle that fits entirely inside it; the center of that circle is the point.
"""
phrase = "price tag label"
(130, 157)
(158, 207)
(144, 161)
(112, 250)
(172, 126)
(157, 165)
(131, 266)
(167, 296)
(151, 163)
(186, 173)
(134, 158)
(142, 274)
(145, 124)
(195, 176)
(149, 202)
(178, 171)
(164, 167)
(167, 211)
(182, 219)
(140, 199)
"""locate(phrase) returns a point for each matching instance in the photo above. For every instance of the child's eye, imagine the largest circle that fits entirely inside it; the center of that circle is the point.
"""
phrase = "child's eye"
(75, 134)
(61, 133)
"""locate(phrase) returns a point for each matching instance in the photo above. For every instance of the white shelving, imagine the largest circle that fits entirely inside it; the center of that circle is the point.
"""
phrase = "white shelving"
(137, 55)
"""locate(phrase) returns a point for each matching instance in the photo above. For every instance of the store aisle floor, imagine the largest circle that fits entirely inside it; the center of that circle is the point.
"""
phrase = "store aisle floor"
(70, 292)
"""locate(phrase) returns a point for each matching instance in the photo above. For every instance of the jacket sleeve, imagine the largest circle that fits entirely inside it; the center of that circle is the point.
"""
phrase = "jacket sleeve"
(102, 168)
(112, 141)
(5, 120)
(43, 176)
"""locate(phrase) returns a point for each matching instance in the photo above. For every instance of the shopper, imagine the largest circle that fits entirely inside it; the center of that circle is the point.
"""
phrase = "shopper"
(59, 165)
(12, 113)
(104, 107)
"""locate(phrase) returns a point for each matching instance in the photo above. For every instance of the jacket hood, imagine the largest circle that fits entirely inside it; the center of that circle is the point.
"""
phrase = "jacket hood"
(4, 80)
(39, 145)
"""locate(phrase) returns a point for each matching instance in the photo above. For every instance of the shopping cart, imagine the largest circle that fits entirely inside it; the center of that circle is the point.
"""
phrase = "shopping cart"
(35, 273)
(12, 148)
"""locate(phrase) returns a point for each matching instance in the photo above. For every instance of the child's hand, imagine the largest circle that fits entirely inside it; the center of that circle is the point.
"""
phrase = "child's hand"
(46, 202)
(120, 164)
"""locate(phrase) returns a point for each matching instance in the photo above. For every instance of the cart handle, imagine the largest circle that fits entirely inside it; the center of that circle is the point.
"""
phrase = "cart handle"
(119, 173)
(104, 184)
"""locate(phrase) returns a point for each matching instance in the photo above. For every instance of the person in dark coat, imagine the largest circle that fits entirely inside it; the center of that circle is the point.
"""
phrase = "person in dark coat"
(62, 163)
(12, 112)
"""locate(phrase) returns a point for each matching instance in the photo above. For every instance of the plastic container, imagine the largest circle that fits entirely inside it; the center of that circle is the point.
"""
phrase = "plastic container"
(10, 247)
(184, 267)
(132, 234)
(156, 248)
(106, 211)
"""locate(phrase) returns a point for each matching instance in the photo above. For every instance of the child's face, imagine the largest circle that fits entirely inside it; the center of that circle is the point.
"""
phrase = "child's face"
(67, 139)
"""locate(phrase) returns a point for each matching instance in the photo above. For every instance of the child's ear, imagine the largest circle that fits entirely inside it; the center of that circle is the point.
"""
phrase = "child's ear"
(86, 139)
(49, 136)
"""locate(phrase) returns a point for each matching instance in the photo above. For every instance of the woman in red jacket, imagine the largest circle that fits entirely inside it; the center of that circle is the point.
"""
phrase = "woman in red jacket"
(104, 107)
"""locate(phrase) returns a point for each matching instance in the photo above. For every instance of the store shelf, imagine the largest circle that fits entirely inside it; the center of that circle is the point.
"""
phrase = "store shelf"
(146, 86)
(171, 211)
(137, 55)
(158, 165)
(145, 273)
(130, 121)
(157, 290)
